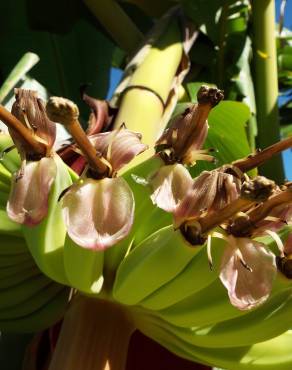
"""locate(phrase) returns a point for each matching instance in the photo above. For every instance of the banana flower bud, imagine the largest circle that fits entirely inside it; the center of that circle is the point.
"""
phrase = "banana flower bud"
(186, 135)
(175, 191)
(99, 213)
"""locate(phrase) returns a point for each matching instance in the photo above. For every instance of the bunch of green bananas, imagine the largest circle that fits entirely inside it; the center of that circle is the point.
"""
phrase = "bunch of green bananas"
(29, 299)
(166, 286)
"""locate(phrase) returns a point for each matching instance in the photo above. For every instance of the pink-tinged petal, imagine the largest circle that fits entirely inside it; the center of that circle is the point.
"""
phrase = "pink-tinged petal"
(248, 286)
(101, 113)
(199, 198)
(170, 184)
(119, 147)
(28, 199)
(98, 213)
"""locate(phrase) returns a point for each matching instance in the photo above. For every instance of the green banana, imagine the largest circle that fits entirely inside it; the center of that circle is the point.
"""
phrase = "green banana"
(195, 276)
(17, 269)
(266, 322)
(209, 306)
(205, 307)
(5, 175)
(153, 217)
(159, 258)
(15, 295)
(274, 354)
(32, 304)
(18, 277)
(41, 319)
(8, 227)
(12, 260)
(46, 240)
(11, 159)
(83, 267)
(12, 245)
(3, 200)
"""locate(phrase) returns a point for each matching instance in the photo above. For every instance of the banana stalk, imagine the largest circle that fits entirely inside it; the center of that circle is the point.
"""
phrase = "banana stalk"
(148, 92)
(266, 79)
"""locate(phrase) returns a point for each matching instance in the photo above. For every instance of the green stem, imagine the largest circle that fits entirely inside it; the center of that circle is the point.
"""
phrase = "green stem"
(22, 67)
(117, 23)
(266, 82)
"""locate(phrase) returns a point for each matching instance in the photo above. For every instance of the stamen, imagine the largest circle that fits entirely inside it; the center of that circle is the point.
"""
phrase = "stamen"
(32, 127)
(242, 261)
(209, 253)
(277, 240)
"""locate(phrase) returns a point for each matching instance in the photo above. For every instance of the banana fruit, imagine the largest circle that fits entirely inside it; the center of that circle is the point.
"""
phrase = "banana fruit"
(273, 354)
(40, 312)
(160, 257)
(83, 267)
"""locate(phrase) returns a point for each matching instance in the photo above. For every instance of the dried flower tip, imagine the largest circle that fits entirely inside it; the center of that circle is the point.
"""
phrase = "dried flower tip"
(209, 95)
(62, 110)
(192, 232)
(31, 130)
(258, 188)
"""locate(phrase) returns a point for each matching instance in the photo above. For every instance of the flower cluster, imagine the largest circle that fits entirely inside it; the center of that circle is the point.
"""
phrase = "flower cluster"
(98, 208)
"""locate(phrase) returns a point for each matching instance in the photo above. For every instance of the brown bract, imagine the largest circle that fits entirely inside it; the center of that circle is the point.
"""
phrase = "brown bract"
(30, 110)
(183, 140)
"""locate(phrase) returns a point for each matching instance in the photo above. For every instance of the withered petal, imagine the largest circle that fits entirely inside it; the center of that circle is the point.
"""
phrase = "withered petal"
(198, 199)
(98, 213)
(101, 114)
(246, 288)
(30, 110)
(28, 199)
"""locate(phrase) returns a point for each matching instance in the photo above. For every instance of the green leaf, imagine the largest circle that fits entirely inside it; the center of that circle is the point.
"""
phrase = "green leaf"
(19, 71)
(227, 134)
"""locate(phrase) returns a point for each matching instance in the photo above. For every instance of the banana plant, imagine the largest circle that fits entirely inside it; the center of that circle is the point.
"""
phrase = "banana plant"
(129, 239)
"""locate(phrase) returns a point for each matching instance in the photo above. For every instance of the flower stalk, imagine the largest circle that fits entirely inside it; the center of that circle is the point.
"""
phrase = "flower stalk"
(260, 157)
(95, 334)
(64, 111)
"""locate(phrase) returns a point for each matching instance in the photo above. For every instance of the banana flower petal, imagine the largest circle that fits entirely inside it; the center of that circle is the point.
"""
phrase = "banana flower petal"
(248, 270)
(170, 185)
(211, 191)
(28, 199)
(98, 213)
(118, 147)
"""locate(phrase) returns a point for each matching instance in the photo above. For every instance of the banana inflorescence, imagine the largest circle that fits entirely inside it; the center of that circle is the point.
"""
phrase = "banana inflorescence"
(160, 270)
